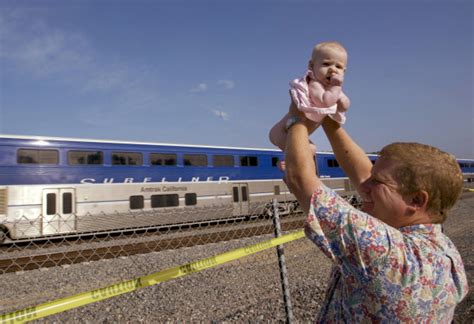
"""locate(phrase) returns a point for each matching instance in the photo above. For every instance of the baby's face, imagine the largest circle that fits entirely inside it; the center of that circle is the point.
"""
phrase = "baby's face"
(327, 63)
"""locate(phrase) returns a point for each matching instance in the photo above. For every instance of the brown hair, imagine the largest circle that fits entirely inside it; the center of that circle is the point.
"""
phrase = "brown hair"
(423, 167)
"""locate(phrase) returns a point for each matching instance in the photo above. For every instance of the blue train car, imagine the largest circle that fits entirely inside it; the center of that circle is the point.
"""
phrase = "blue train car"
(40, 160)
(59, 186)
(47, 160)
(467, 168)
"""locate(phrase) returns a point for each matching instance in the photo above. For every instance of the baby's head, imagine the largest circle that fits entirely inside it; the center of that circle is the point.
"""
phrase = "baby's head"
(328, 61)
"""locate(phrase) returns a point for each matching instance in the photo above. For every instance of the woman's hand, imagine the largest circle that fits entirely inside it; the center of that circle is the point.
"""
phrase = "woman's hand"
(294, 111)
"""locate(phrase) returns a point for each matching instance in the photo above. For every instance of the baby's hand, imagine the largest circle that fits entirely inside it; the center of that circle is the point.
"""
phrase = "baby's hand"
(336, 80)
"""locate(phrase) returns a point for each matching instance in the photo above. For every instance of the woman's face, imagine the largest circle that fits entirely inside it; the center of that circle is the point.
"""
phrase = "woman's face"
(380, 195)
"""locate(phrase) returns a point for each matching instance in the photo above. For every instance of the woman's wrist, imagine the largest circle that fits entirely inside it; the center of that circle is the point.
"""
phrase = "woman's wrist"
(329, 124)
(292, 120)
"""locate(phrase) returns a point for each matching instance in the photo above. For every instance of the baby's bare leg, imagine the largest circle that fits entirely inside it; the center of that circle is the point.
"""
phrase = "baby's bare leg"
(278, 133)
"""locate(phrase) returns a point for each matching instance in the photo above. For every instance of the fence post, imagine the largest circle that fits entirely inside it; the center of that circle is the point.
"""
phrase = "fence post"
(281, 263)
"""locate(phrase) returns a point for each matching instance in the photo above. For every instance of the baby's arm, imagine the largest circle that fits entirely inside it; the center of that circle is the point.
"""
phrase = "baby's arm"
(316, 93)
(331, 96)
(343, 103)
(323, 98)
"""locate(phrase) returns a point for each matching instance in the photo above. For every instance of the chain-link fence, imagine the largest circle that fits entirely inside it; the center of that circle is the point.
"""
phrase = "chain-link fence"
(40, 269)
(247, 289)
(106, 236)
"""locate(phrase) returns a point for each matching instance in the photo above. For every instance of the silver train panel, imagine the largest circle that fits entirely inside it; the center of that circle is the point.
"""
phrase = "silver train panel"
(42, 210)
(29, 211)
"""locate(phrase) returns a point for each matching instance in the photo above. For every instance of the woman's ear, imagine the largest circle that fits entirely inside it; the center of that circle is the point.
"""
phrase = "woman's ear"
(417, 201)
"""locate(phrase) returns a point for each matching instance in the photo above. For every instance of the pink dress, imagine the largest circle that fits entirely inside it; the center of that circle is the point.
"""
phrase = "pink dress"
(299, 92)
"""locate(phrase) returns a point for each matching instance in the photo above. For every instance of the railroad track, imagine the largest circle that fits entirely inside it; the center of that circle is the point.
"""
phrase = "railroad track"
(169, 241)
(174, 237)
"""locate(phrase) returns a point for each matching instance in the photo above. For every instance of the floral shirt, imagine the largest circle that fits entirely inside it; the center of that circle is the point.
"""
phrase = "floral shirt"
(382, 274)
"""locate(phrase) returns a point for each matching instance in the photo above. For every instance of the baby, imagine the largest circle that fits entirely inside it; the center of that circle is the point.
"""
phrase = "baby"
(319, 92)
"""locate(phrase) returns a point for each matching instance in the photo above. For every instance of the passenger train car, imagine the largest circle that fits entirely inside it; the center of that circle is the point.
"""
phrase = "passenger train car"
(59, 186)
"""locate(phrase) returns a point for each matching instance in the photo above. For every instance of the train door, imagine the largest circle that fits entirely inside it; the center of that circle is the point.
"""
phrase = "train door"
(240, 194)
(58, 211)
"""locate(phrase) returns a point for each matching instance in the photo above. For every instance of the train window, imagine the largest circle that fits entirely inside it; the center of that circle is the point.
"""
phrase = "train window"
(29, 156)
(245, 195)
(248, 161)
(195, 159)
(223, 161)
(51, 204)
(163, 159)
(85, 157)
(190, 199)
(137, 202)
(67, 203)
(235, 191)
(275, 160)
(127, 158)
(332, 163)
(158, 201)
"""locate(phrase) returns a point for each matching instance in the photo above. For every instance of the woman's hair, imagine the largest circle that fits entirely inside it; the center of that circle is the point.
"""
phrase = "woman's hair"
(423, 167)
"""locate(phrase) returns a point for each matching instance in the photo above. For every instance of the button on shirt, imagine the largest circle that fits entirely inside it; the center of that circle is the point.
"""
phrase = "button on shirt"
(382, 274)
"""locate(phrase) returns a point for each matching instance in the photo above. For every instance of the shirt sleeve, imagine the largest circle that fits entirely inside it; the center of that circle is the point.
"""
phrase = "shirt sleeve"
(354, 240)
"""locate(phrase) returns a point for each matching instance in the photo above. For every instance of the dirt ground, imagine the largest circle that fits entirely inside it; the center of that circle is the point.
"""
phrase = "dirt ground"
(459, 227)
(246, 290)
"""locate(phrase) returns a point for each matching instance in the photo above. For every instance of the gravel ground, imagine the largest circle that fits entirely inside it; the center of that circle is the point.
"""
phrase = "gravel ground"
(244, 290)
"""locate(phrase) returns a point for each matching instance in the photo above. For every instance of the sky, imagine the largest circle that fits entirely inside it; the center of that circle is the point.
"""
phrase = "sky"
(217, 72)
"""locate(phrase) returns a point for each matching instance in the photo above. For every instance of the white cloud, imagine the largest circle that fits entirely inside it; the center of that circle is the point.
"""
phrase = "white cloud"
(221, 114)
(33, 47)
(201, 87)
(228, 84)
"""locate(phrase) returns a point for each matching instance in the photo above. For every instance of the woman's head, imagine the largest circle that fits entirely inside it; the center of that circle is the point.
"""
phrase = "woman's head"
(422, 167)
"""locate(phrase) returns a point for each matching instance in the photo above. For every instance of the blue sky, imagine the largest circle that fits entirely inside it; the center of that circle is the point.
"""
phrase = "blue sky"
(217, 72)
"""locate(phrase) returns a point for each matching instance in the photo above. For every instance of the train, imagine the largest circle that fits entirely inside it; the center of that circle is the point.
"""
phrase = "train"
(55, 187)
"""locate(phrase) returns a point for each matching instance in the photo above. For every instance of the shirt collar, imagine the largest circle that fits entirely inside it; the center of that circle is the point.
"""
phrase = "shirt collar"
(421, 228)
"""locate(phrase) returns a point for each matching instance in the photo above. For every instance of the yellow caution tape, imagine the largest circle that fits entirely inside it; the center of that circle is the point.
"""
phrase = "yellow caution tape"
(61, 305)
(469, 189)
